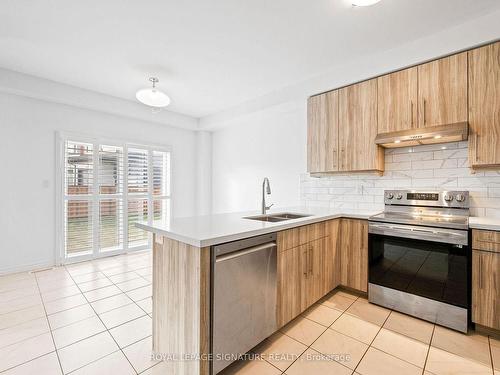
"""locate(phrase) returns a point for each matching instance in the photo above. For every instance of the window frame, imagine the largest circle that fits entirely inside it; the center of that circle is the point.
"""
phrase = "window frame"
(95, 197)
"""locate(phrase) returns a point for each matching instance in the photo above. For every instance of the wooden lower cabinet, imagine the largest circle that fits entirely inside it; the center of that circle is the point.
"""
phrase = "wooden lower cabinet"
(354, 254)
(486, 288)
(331, 261)
(308, 271)
(313, 272)
(289, 285)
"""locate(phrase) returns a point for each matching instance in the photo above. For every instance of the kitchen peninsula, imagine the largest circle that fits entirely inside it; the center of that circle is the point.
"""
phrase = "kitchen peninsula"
(182, 264)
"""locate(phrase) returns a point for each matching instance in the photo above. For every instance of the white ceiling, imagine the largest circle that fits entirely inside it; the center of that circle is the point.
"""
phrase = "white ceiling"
(210, 55)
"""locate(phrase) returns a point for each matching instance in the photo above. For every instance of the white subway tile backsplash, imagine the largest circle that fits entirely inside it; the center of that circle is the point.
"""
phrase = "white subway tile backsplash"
(436, 183)
(451, 154)
(413, 156)
(433, 167)
(493, 212)
(450, 172)
(402, 166)
(494, 192)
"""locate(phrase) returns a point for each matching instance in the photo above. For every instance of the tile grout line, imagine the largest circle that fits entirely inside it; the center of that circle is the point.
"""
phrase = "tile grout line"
(38, 293)
(50, 328)
(491, 355)
(370, 345)
(430, 345)
(327, 328)
(107, 330)
(133, 301)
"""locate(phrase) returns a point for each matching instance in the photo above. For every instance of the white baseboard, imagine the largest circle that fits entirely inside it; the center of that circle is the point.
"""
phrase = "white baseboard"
(26, 267)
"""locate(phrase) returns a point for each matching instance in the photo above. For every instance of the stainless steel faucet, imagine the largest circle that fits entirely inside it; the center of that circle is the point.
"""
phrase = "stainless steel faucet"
(266, 188)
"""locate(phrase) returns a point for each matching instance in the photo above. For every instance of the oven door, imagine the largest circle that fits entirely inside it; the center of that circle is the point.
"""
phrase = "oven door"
(433, 263)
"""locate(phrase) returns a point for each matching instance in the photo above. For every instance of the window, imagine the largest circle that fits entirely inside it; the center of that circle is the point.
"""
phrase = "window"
(107, 189)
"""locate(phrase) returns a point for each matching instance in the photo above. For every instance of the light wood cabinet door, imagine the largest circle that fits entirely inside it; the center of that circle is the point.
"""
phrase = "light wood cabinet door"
(442, 91)
(331, 261)
(354, 254)
(486, 288)
(358, 128)
(397, 101)
(312, 272)
(322, 133)
(484, 106)
(289, 285)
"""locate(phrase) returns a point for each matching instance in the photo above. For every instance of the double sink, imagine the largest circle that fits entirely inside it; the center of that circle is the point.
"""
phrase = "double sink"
(277, 217)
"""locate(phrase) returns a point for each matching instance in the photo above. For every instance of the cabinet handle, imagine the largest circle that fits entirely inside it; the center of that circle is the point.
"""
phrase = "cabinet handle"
(335, 160)
(425, 120)
(342, 157)
(476, 136)
(411, 113)
(306, 256)
(480, 276)
(311, 260)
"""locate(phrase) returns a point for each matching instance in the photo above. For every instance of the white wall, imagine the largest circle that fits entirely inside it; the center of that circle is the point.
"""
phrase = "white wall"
(204, 172)
(270, 143)
(27, 183)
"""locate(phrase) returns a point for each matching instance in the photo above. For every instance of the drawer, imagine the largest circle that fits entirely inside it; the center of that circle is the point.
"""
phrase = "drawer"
(486, 240)
(290, 238)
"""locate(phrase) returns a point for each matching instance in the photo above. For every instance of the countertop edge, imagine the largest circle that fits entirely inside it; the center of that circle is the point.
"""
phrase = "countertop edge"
(485, 223)
(251, 233)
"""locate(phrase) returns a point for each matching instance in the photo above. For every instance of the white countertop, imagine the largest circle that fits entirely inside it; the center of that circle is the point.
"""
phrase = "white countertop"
(202, 231)
(488, 223)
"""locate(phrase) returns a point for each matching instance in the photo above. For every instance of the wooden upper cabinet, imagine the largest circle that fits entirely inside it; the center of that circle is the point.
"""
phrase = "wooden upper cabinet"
(322, 133)
(442, 91)
(358, 128)
(484, 106)
(397, 100)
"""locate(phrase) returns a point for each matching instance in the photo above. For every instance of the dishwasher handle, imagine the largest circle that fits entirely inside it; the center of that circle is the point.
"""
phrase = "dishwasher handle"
(240, 253)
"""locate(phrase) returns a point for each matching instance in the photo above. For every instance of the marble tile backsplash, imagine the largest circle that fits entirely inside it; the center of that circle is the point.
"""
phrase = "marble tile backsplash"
(430, 167)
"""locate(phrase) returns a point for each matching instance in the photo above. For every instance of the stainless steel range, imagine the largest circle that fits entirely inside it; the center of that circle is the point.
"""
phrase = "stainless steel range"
(419, 256)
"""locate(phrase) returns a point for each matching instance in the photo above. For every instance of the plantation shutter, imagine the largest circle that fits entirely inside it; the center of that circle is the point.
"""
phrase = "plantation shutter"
(138, 191)
(78, 187)
(111, 174)
(107, 189)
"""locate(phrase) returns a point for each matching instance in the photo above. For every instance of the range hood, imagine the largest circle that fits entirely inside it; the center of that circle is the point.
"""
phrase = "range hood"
(424, 136)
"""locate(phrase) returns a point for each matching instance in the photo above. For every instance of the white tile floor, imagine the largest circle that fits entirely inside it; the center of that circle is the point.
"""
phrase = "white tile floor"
(343, 334)
(87, 318)
(95, 318)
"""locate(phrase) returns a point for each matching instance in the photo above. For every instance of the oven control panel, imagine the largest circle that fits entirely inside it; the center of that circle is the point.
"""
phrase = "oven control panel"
(422, 196)
(455, 199)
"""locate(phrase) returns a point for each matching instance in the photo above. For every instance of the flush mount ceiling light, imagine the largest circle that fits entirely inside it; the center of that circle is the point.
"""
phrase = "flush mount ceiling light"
(364, 3)
(153, 97)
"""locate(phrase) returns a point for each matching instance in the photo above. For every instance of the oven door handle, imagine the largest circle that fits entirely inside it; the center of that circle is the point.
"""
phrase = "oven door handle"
(433, 232)
(435, 235)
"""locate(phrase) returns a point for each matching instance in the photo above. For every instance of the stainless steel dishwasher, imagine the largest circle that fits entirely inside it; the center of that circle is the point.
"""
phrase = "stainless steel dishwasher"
(244, 303)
